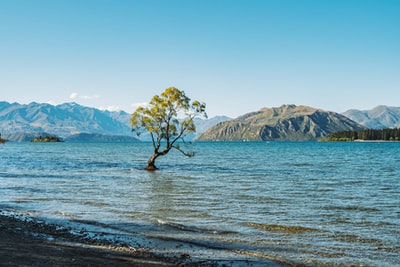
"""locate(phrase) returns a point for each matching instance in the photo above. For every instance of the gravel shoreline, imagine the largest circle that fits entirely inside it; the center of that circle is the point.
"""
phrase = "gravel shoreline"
(25, 242)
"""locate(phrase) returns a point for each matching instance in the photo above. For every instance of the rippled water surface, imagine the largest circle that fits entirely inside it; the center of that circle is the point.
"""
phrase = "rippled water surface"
(312, 203)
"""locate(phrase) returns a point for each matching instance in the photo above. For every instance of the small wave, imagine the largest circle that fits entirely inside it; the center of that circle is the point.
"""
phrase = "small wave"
(64, 214)
(302, 164)
(101, 165)
(185, 228)
(352, 208)
(281, 228)
(95, 203)
(351, 238)
(20, 201)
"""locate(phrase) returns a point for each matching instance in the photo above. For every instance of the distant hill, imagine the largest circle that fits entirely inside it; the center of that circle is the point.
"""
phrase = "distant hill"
(288, 122)
(24, 137)
(377, 118)
(204, 125)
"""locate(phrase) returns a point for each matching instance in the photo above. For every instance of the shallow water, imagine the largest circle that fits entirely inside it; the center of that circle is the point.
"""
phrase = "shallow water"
(307, 202)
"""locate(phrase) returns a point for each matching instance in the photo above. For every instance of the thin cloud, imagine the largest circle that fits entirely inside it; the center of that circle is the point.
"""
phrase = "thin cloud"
(111, 108)
(73, 96)
(86, 97)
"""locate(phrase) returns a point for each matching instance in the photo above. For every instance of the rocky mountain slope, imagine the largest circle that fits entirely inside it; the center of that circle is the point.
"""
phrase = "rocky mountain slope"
(377, 118)
(288, 122)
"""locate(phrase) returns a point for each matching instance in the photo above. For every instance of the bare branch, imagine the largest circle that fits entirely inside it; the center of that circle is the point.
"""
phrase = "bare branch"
(187, 154)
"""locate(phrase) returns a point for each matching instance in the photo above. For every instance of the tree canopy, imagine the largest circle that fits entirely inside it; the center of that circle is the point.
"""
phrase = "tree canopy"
(389, 134)
(168, 118)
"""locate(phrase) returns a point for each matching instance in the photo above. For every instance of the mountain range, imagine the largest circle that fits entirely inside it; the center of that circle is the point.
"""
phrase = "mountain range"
(74, 122)
(288, 122)
(377, 118)
(62, 120)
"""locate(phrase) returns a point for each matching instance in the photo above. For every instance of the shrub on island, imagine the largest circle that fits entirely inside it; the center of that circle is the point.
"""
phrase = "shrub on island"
(46, 139)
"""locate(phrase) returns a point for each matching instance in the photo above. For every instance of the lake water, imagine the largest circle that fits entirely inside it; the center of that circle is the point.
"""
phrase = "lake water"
(320, 204)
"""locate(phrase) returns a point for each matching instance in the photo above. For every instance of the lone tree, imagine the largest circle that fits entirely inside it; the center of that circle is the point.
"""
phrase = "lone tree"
(160, 119)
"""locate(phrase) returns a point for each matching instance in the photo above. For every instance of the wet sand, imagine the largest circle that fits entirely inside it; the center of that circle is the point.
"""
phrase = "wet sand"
(29, 243)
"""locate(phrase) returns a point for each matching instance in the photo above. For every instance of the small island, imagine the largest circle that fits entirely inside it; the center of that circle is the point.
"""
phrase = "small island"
(47, 139)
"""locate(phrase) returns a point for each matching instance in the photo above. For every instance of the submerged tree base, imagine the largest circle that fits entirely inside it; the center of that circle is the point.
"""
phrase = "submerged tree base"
(151, 168)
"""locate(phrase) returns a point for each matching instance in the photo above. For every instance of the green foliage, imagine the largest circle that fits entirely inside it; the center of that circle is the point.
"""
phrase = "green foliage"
(45, 139)
(390, 134)
(160, 120)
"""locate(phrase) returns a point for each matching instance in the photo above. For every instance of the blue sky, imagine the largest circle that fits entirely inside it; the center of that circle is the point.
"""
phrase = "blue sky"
(237, 56)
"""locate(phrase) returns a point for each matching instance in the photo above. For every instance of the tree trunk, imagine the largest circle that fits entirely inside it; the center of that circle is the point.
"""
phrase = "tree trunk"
(151, 163)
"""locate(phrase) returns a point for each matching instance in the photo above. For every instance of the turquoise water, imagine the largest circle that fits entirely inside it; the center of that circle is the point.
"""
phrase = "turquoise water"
(319, 204)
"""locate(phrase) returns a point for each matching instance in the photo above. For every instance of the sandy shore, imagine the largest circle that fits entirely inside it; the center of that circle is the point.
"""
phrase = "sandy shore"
(30, 243)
